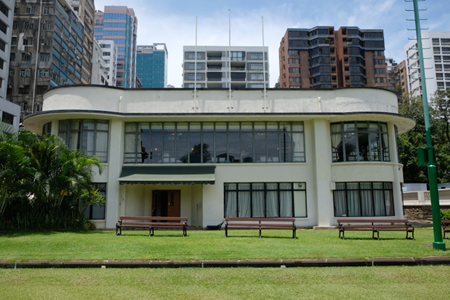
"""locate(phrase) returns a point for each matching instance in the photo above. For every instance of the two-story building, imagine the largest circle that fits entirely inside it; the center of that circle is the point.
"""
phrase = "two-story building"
(316, 155)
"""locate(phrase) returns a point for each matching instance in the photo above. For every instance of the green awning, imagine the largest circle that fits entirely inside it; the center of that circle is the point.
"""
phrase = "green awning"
(167, 175)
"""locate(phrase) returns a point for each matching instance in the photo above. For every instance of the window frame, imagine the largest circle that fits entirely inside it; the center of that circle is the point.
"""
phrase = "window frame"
(384, 190)
(278, 191)
(382, 153)
(135, 156)
(80, 132)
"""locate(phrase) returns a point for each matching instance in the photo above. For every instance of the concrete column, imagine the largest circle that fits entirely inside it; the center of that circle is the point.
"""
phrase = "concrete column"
(115, 159)
(322, 146)
(397, 170)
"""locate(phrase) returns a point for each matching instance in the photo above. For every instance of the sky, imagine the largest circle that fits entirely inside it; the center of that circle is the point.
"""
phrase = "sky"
(173, 22)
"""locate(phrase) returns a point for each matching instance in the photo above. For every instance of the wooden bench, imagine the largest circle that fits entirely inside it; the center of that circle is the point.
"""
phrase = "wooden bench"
(260, 223)
(151, 223)
(374, 225)
(445, 227)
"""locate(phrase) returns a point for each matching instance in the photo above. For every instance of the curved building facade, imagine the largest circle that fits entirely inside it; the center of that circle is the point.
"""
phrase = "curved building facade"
(316, 155)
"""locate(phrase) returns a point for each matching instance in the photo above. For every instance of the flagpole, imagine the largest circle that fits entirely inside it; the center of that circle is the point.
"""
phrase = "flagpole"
(229, 54)
(264, 65)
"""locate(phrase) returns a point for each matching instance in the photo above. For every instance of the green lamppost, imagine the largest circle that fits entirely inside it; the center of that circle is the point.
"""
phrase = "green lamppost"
(427, 156)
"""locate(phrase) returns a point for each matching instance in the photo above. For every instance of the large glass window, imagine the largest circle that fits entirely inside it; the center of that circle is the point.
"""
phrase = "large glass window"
(261, 200)
(91, 136)
(363, 199)
(359, 141)
(96, 211)
(220, 142)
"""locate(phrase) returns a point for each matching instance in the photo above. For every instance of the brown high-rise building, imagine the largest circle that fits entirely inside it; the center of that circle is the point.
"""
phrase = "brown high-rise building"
(397, 78)
(321, 57)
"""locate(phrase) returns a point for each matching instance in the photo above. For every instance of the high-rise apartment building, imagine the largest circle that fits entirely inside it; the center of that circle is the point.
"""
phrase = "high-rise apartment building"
(100, 74)
(152, 65)
(247, 67)
(436, 53)
(401, 68)
(397, 78)
(322, 57)
(109, 50)
(119, 23)
(86, 11)
(9, 112)
(49, 47)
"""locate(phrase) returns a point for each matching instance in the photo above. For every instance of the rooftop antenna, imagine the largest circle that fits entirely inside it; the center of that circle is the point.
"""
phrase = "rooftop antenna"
(229, 59)
(264, 68)
(427, 155)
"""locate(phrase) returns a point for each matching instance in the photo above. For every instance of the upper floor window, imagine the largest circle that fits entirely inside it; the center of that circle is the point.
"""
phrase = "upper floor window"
(91, 136)
(359, 141)
(30, 9)
(220, 142)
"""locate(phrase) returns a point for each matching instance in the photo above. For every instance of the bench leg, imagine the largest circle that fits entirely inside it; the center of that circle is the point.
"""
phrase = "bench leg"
(259, 232)
(343, 234)
(184, 231)
(294, 233)
(378, 235)
(226, 231)
(444, 234)
(149, 231)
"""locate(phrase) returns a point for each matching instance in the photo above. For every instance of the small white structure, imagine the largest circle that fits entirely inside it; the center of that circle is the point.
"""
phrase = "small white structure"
(316, 155)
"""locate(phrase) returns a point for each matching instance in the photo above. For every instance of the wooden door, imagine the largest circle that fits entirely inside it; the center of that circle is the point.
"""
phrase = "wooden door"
(173, 204)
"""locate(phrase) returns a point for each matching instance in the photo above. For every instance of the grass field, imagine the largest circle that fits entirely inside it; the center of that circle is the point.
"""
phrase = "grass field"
(243, 283)
(211, 245)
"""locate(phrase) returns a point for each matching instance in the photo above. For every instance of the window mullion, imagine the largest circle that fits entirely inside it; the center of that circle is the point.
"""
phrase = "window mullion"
(346, 198)
(251, 200)
(278, 192)
(360, 197)
(265, 200)
(373, 198)
(292, 199)
(237, 200)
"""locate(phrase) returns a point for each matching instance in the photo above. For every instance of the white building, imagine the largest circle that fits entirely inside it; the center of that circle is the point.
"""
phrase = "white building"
(316, 155)
(9, 112)
(110, 57)
(247, 69)
(436, 53)
(100, 75)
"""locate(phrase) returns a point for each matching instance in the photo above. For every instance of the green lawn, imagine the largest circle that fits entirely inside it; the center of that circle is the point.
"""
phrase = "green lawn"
(243, 283)
(211, 245)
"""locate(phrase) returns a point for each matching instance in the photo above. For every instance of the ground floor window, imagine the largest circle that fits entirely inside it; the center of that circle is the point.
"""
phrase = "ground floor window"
(363, 199)
(96, 211)
(265, 200)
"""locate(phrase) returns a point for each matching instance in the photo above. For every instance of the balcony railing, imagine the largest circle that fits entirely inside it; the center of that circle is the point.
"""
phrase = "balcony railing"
(214, 58)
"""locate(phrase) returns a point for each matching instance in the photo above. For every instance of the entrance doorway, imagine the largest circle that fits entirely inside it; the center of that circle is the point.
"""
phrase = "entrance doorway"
(166, 203)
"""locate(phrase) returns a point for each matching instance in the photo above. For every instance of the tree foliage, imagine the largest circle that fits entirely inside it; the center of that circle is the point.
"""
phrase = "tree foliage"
(44, 184)
(439, 109)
